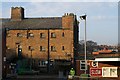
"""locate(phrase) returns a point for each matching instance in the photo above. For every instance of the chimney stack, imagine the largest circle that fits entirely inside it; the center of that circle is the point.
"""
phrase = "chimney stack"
(17, 13)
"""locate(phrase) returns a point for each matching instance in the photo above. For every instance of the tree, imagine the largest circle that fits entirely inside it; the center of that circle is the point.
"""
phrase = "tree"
(91, 46)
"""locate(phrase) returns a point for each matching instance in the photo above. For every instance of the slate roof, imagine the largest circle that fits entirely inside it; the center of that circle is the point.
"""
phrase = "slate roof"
(34, 23)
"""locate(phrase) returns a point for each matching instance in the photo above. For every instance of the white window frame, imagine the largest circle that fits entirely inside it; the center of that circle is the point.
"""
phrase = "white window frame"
(53, 35)
(81, 62)
(19, 35)
(42, 35)
(108, 73)
(42, 48)
(31, 35)
(53, 48)
(4, 59)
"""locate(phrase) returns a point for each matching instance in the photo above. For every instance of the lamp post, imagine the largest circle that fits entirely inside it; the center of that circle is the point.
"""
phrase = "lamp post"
(85, 47)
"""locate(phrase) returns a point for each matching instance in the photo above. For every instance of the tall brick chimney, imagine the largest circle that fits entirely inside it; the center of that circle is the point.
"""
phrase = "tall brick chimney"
(17, 13)
(68, 20)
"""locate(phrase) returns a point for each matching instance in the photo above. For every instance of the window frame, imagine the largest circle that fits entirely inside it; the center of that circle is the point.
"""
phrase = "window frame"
(53, 48)
(42, 64)
(19, 35)
(8, 33)
(42, 49)
(42, 35)
(53, 35)
(83, 63)
(30, 48)
(30, 35)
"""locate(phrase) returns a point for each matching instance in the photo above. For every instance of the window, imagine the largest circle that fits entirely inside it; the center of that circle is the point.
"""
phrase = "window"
(7, 47)
(63, 34)
(19, 35)
(30, 48)
(42, 63)
(53, 35)
(82, 65)
(7, 33)
(42, 35)
(30, 35)
(63, 48)
(42, 48)
(94, 63)
(109, 72)
(4, 58)
(53, 48)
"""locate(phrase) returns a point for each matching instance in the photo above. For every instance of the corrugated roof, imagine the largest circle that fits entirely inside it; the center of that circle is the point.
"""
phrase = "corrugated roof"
(34, 23)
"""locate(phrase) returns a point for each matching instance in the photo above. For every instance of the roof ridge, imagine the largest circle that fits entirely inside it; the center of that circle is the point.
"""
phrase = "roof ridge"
(44, 18)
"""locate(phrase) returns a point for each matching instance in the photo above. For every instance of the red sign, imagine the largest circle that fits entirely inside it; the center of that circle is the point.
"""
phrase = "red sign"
(95, 72)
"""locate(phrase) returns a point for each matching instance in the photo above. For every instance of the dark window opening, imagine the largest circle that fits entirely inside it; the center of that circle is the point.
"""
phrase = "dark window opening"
(42, 48)
(19, 35)
(42, 35)
(63, 48)
(53, 48)
(63, 34)
(53, 35)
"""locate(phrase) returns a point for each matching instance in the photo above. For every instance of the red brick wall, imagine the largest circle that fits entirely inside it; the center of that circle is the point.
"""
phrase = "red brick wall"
(68, 21)
(36, 42)
(17, 13)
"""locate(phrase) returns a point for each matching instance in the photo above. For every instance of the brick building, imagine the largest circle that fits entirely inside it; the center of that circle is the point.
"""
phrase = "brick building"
(45, 39)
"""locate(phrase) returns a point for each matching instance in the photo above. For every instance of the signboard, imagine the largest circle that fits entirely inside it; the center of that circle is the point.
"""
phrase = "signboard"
(95, 72)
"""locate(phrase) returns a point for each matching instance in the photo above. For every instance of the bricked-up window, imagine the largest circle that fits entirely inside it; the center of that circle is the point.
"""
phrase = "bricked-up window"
(53, 48)
(53, 35)
(30, 35)
(42, 35)
(19, 35)
(82, 65)
(63, 48)
(42, 48)
(63, 34)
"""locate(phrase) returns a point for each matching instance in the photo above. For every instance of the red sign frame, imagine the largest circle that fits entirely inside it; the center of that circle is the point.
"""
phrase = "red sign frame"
(96, 72)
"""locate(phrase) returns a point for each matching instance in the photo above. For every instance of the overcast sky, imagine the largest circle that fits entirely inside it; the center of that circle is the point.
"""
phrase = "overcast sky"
(102, 17)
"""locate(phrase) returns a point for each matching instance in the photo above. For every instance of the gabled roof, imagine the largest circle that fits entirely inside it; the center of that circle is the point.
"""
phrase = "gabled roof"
(34, 23)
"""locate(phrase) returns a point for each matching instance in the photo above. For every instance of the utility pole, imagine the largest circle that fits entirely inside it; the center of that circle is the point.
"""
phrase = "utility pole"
(85, 36)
